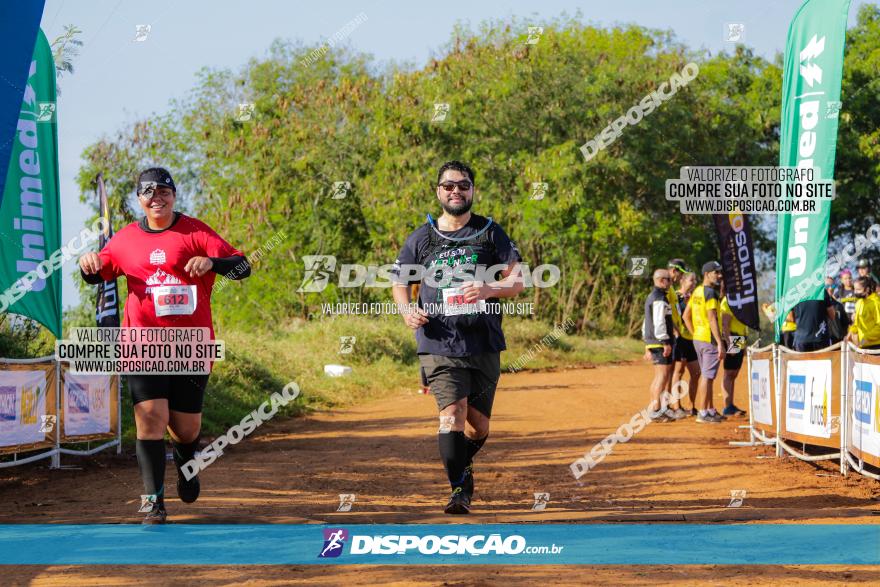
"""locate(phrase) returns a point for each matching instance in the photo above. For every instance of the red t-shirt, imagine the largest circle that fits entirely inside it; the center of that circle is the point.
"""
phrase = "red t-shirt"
(151, 260)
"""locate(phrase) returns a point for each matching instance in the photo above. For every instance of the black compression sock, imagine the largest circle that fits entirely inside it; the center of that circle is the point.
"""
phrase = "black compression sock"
(151, 460)
(453, 453)
(184, 452)
(473, 447)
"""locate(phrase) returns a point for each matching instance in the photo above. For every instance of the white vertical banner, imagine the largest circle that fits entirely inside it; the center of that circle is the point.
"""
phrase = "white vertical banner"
(86, 400)
(865, 431)
(22, 407)
(761, 397)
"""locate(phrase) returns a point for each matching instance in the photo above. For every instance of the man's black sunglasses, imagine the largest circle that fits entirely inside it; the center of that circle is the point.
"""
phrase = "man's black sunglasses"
(450, 185)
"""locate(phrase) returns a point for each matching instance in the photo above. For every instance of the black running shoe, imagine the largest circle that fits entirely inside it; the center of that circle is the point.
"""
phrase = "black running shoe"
(459, 503)
(467, 487)
(156, 515)
(187, 491)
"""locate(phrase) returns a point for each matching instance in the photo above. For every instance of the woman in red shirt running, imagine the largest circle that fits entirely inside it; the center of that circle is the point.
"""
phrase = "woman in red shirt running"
(166, 252)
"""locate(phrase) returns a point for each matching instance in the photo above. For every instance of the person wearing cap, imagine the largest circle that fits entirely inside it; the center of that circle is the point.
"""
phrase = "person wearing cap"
(812, 318)
(683, 352)
(845, 293)
(701, 317)
(863, 267)
(169, 261)
(865, 329)
(657, 334)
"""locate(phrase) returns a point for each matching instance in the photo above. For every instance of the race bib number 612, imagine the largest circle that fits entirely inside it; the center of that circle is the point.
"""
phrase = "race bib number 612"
(174, 300)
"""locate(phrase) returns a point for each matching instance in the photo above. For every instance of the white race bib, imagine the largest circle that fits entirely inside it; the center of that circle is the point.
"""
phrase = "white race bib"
(737, 343)
(174, 300)
(454, 304)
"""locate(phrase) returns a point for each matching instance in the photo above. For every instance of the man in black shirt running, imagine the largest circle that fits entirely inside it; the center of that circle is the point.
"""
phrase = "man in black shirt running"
(458, 320)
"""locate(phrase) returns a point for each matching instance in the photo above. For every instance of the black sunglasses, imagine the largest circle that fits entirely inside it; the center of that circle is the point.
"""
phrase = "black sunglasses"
(450, 185)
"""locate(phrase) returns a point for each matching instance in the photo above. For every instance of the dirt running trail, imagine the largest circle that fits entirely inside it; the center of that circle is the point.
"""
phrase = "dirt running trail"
(385, 452)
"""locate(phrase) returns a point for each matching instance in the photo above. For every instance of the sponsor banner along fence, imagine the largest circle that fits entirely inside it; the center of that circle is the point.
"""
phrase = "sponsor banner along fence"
(43, 405)
(863, 416)
(826, 401)
(762, 393)
(27, 397)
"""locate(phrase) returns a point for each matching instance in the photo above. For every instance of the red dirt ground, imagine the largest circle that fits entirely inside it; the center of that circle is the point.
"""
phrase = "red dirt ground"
(385, 453)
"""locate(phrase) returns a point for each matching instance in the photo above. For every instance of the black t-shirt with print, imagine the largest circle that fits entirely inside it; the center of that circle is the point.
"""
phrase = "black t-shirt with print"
(474, 245)
(810, 317)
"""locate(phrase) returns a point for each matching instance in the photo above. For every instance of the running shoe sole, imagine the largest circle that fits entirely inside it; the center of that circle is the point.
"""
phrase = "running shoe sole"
(188, 491)
(457, 508)
(155, 517)
(459, 503)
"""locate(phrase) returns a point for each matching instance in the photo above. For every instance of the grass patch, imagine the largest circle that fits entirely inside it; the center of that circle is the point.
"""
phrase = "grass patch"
(383, 362)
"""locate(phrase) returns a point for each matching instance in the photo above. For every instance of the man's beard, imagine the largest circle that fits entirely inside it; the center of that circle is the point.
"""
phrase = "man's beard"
(459, 209)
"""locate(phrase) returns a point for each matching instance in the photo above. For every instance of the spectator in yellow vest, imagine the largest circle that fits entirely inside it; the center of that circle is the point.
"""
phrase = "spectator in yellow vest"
(865, 330)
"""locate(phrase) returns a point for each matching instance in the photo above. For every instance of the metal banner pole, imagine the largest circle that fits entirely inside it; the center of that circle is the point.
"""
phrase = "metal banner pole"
(56, 458)
(844, 378)
(777, 366)
(119, 414)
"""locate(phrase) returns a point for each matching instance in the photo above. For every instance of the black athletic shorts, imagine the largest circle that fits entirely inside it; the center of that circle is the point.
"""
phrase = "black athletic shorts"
(684, 350)
(809, 347)
(185, 393)
(734, 362)
(657, 356)
(454, 378)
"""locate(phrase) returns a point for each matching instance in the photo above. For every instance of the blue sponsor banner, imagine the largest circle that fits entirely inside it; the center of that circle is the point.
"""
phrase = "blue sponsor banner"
(528, 544)
(797, 391)
(862, 402)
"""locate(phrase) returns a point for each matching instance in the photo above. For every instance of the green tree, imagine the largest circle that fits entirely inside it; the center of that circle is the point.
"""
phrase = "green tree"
(518, 114)
(65, 48)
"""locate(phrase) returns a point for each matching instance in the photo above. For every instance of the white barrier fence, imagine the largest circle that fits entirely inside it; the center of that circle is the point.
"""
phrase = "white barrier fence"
(820, 405)
(43, 406)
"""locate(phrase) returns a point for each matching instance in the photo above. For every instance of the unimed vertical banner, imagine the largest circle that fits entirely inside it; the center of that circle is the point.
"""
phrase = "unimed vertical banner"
(30, 214)
(810, 106)
(19, 23)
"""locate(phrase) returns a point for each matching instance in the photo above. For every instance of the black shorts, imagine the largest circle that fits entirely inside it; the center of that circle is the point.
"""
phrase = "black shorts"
(684, 350)
(185, 393)
(657, 356)
(809, 347)
(455, 378)
(734, 362)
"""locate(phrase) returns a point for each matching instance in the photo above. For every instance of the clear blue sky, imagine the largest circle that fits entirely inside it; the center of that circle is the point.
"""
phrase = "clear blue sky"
(119, 81)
